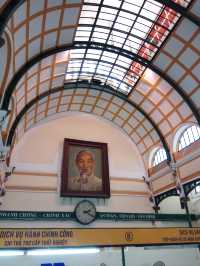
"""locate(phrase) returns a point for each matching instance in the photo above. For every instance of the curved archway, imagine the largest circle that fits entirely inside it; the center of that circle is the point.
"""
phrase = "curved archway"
(98, 46)
(83, 85)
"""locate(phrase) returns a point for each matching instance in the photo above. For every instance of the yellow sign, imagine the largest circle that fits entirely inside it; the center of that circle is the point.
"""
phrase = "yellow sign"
(64, 237)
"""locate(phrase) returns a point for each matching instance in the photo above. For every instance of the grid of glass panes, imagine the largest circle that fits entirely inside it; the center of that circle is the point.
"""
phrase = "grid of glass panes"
(159, 156)
(93, 64)
(125, 24)
(190, 135)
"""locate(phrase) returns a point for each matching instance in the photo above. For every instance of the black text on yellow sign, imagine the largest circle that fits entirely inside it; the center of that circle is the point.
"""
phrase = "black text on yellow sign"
(64, 237)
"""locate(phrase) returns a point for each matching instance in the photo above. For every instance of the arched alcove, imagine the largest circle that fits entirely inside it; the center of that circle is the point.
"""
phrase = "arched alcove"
(45, 148)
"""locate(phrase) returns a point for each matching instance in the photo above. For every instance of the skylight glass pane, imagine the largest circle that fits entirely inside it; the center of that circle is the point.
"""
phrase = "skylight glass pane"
(142, 27)
(109, 10)
(88, 14)
(148, 14)
(83, 20)
(144, 22)
(153, 6)
(122, 27)
(107, 16)
(89, 7)
(92, 1)
(130, 30)
(131, 7)
(124, 20)
(115, 3)
(81, 39)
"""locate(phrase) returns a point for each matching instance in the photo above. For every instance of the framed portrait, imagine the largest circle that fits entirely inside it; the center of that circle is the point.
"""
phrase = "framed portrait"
(85, 171)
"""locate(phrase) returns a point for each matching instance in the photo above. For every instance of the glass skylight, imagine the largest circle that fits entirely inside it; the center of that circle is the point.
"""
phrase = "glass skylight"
(136, 26)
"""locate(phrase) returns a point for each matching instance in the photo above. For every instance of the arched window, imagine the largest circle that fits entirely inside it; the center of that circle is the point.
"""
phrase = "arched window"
(190, 135)
(159, 156)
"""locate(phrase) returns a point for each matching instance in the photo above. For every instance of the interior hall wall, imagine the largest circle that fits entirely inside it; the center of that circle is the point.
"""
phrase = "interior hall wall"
(37, 157)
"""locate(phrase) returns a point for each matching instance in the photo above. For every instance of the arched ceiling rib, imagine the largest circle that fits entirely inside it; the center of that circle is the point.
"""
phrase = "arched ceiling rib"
(80, 97)
(97, 46)
(50, 73)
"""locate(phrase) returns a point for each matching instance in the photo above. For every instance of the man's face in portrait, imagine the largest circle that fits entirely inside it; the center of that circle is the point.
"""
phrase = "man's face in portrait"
(85, 163)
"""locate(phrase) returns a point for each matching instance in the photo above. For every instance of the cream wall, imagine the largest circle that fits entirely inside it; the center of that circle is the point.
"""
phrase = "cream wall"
(41, 147)
(34, 184)
(37, 158)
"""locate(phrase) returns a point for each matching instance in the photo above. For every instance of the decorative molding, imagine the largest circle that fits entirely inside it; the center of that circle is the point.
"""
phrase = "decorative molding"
(54, 189)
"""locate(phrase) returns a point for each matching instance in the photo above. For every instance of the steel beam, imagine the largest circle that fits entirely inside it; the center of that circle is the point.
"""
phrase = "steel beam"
(7, 13)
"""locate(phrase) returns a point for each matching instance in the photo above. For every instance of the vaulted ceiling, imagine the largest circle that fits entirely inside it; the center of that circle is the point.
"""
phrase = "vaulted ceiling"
(135, 63)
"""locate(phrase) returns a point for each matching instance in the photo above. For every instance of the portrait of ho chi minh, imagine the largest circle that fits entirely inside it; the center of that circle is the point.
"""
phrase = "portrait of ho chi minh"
(85, 179)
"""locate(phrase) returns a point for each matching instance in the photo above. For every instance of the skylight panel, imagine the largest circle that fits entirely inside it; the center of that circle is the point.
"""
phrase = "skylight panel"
(92, 56)
(101, 71)
(74, 63)
(113, 82)
(130, 30)
(141, 27)
(144, 22)
(111, 60)
(82, 33)
(86, 76)
(77, 55)
(122, 27)
(103, 68)
(94, 52)
(101, 29)
(135, 8)
(89, 8)
(131, 46)
(124, 21)
(88, 14)
(129, 16)
(123, 64)
(93, 1)
(86, 20)
(90, 64)
(109, 54)
(106, 58)
(107, 16)
(71, 76)
(153, 6)
(124, 59)
(115, 3)
(118, 42)
(135, 40)
(73, 69)
(149, 14)
(140, 33)
(103, 22)
(109, 10)
(82, 39)
(100, 35)
(117, 73)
